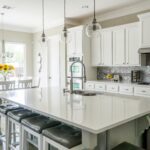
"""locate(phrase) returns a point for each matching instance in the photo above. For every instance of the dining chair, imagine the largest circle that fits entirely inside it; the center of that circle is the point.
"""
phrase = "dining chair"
(23, 84)
(7, 85)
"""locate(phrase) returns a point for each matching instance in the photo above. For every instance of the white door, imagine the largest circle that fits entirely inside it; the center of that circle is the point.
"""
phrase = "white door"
(107, 48)
(119, 46)
(96, 50)
(71, 43)
(54, 61)
(132, 45)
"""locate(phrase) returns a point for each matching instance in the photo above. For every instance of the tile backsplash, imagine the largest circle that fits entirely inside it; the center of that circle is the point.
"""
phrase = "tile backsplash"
(124, 72)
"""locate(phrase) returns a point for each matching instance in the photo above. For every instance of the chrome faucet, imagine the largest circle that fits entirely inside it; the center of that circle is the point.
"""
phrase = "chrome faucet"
(82, 77)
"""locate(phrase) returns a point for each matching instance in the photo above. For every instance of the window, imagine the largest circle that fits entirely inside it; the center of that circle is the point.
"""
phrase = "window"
(16, 57)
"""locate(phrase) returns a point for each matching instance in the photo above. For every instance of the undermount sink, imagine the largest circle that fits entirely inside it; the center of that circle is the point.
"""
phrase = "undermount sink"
(84, 93)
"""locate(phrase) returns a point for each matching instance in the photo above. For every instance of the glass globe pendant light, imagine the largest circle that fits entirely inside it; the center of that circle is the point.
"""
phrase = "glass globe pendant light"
(93, 28)
(64, 34)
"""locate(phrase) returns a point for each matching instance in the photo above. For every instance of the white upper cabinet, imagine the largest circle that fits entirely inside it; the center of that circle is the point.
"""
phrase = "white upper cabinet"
(145, 30)
(119, 46)
(132, 45)
(107, 48)
(74, 45)
(96, 53)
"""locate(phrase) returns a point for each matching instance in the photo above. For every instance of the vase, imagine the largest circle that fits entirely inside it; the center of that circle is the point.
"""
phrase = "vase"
(5, 78)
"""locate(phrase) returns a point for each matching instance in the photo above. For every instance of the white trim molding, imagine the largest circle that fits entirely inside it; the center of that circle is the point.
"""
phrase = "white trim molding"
(139, 7)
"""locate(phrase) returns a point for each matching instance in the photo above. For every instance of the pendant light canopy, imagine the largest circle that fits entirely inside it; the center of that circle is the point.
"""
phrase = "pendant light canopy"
(64, 33)
(93, 28)
(43, 21)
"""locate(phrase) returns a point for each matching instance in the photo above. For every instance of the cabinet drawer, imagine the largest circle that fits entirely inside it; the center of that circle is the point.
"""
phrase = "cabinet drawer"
(89, 86)
(100, 87)
(126, 90)
(112, 88)
(142, 91)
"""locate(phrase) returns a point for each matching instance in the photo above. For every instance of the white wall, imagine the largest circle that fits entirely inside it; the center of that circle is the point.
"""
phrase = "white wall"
(26, 38)
(37, 47)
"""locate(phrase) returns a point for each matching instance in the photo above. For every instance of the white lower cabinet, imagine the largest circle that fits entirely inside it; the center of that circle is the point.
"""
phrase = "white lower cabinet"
(141, 91)
(125, 89)
(112, 88)
(100, 87)
(90, 86)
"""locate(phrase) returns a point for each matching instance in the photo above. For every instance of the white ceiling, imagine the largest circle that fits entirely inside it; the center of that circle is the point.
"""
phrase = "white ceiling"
(27, 13)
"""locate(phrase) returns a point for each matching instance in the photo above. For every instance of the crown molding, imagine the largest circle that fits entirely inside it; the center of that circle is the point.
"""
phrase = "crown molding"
(58, 23)
(16, 28)
(139, 7)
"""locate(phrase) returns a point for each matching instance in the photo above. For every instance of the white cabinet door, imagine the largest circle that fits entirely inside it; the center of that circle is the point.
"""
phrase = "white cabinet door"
(132, 45)
(142, 91)
(112, 88)
(119, 46)
(74, 45)
(126, 89)
(100, 87)
(107, 47)
(89, 86)
(96, 50)
(145, 31)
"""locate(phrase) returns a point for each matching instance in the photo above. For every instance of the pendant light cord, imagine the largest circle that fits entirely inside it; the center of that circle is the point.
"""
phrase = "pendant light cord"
(2, 25)
(43, 14)
(65, 13)
(3, 34)
(94, 10)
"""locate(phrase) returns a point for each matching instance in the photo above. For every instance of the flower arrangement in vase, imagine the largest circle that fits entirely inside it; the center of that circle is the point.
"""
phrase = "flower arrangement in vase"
(5, 70)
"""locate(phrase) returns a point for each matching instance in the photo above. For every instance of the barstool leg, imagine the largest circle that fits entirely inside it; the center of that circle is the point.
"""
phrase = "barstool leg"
(23, 140)
(8, 135)
(20, 137)
(45, 144)
(40, 142)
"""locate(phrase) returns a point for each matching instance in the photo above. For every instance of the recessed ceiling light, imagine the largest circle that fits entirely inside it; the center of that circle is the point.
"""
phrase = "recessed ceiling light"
(7, 7)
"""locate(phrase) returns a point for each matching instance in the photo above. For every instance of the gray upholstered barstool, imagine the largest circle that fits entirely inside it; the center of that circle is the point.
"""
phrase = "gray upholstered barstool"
(62, 137)
(4, 109)
(15, 127)
(127, 146)
(32, 128)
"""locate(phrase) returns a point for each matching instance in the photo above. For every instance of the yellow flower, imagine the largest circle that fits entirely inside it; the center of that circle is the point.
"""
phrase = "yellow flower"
(6, 67)
(11, 67)
(1, 67)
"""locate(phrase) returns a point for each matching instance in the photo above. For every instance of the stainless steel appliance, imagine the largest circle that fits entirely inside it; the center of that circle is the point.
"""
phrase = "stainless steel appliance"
(135, 76)
(145, 56)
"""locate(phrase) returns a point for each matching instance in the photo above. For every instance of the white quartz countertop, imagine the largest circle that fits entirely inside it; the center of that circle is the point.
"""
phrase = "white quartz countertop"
(94, 114)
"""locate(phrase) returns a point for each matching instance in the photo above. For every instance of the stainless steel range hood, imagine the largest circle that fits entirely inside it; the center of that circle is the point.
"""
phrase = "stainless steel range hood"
(145, 56)
(144, 50)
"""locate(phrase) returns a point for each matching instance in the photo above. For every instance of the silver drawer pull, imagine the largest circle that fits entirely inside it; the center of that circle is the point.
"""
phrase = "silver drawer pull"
(112, 88)
(127, 89)
(143, 91)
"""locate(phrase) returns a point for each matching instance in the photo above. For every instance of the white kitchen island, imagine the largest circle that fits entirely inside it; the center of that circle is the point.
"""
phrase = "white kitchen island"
(94, 115)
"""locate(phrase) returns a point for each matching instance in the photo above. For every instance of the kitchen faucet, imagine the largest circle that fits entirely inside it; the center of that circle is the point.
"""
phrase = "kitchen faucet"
(83, 77)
